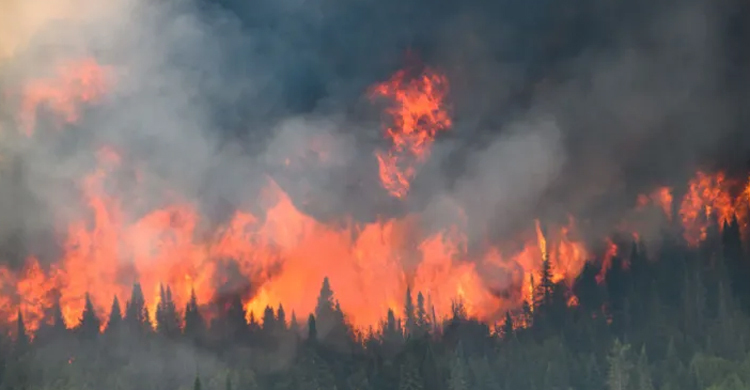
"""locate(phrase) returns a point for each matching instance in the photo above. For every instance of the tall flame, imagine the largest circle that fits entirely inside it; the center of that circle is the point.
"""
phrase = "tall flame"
(281, 255)
(418, 113)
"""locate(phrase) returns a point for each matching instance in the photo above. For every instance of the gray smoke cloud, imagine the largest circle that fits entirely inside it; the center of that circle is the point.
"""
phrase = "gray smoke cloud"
(212, 95)
(556, 111)
(559, 107)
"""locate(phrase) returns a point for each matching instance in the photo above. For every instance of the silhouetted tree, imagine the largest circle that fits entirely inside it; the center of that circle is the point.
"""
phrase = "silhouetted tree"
(115, 316)
(167, 318)
(136, 312)
(312, 329)
(459, 375)
(422, 318)
(22, 337)
(508, 325)
(409, 314)
(325, 313)
(269, 321)
(620, 367)
(294, 325)
(89, 325)
(195, 327)
(410, 378)
(281, 317)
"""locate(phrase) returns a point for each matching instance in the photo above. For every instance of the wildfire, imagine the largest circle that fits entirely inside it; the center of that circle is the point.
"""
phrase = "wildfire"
(73, 83)
(662, 197)
(609, 255)
(281, 255)
(285, 255)
(418, 113)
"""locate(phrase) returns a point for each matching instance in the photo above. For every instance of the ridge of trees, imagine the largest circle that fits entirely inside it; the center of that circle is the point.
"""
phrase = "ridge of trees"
(676, 320)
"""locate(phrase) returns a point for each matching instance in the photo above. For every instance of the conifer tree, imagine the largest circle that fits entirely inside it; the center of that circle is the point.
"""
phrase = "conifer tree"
(252, 324)
(325, 312)
(136, 312)
(409, 313)
(312, 329)
(643, 373)
(22, 337)
(459, 375)
(544, 291)
(410, 378)
(281, 317)
(197, 383)
(422, 318)
(508, 329)
(483, 374)
(620, 367)
(269, 321)
(167, 320)
(294, 325)
(235, 325)
(194, 324)
(588, 291)
(115, 316)
(58, 321)
(89, 324)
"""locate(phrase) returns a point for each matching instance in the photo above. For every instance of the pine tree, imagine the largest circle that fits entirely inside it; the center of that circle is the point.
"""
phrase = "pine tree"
(508, 329)
(325, 313)
(136, 313)
(483, 374)
(422, 318)
(594, 378)
(409, 313)
(294, 325)
(89, 324)
(410, 379)
(588, 291)
(644, 381)
(281, 317)
(194, 324)
(312, 329)
(22, 337)
(269, 321)
(253, 326)
(197, 383)
(459, 375)
(544, 291)
(620, 367)
(58, 321)
(235, 323)
(115, 316)
(167, 319)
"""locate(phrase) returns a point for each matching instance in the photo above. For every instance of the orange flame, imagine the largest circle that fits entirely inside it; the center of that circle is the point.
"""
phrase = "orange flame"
(282, 255)
(418, 113)
(661, 197)
(611, 252)
(74, 83)
(708, 197)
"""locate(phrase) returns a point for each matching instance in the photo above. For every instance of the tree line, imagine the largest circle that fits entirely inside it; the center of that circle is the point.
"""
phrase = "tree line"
(670, 320)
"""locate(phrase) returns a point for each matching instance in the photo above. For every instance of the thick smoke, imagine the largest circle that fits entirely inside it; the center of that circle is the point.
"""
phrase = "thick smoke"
(559, 107)
(639, 100)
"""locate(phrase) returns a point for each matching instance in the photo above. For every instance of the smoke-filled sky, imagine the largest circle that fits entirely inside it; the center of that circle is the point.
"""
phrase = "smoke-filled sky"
(558, 106)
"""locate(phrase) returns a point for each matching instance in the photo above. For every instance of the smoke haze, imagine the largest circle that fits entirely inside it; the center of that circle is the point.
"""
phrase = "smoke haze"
(558, 108)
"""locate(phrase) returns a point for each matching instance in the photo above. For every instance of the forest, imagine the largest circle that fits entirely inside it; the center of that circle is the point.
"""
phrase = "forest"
(636, 91)
(674, 317)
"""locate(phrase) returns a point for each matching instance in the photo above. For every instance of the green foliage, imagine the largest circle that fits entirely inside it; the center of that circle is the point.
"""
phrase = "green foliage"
(686, 335)
(410, 378)
(620, 367)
